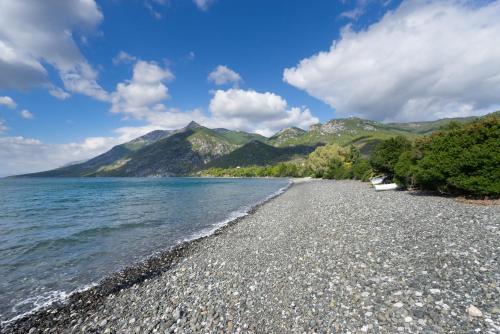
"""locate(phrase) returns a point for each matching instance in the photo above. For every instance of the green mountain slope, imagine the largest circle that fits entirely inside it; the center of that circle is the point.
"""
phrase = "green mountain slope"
(425, 128)
(112, 157)
(239, 137)
(257, 153)
(159, 153)
(194, 147)
(364, 134)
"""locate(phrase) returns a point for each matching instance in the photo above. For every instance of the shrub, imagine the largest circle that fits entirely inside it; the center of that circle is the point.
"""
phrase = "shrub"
(465, 159)
(386, 154)
(361, 170)
(404, 169)
(320, 160)
(338, 170)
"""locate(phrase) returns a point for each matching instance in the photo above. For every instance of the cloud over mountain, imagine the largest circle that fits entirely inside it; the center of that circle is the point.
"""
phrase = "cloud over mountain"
(425, 60)
(264, 113)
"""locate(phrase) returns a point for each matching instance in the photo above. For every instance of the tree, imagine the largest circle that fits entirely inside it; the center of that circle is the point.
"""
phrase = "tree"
(465, 159)
(320, 160)
(361, 170)
(386, 154)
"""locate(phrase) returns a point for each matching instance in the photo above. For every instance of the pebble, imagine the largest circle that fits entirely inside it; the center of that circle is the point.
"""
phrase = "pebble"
(474, 311)
(326, 256)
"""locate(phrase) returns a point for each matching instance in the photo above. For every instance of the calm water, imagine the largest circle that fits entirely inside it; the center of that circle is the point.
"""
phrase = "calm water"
(58, 235)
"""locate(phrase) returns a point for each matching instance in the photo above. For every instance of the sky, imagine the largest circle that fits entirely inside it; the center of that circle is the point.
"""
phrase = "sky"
(80, 76)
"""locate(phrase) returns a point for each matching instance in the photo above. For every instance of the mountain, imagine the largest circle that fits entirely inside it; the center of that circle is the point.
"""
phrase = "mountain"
(240, 137)
(195, 147)
(260, 154)
(159, 153)
(364, 134)
(286, 135)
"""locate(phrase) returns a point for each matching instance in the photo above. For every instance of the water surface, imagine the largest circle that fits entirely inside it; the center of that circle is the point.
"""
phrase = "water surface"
(62, 234)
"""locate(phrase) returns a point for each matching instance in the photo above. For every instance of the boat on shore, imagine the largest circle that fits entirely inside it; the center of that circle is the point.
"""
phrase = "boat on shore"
(378, 179)
(388, 186)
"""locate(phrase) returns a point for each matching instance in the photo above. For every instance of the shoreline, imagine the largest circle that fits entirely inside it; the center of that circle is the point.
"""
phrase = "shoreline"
(153, 265)
(324, 256)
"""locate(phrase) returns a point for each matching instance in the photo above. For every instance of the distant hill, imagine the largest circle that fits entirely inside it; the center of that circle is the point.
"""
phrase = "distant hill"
(260, 154)
(194, 147)
(159, 153)
(364, 134)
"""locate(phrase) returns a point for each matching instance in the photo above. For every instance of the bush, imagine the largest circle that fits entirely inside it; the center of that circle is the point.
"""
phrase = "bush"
(386, 154)
(338, 170)
(361, 170)
(404, 170)
(319, 162)
(465, 159)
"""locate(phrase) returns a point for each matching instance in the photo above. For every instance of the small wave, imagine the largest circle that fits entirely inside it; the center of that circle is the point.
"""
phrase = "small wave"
(42, 301)
(47, 299)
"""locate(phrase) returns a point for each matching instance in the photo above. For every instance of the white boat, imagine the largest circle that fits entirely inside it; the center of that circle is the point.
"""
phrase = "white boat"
(388, 186)
(377, 180)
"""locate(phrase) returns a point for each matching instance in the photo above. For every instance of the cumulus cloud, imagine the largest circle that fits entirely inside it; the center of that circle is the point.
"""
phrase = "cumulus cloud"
(143, 98)
(36, 34)
(203, 4)
(26, 114)
(425, 60)
(8, 102)
(224, 75)
(264, 113)
(143, 94)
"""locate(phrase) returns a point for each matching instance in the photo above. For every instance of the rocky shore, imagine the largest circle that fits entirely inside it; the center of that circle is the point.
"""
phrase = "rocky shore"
(325, 257)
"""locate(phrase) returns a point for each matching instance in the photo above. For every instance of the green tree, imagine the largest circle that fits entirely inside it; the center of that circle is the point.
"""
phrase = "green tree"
(320, 160)
(386, 154)
(465, 159)
(361, 170)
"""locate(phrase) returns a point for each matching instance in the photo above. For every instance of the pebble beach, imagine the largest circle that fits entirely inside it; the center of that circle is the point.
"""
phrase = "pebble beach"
(323, 257)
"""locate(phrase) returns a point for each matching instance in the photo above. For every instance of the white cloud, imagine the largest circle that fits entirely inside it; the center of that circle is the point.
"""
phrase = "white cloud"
(248, 110)
(425, 60)
(8, 102)
(143, 94)
(59, 93)
(123, 57)
(143, 98)
(26, 114)
(224, 75)
(35, 34)
(203, 4)
(248, 104)
(21, 155)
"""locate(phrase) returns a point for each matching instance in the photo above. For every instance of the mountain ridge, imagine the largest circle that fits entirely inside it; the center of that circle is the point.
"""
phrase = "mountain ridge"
(195, 147)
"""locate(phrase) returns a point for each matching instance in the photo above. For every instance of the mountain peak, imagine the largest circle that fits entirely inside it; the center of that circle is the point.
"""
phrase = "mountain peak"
(193, 125)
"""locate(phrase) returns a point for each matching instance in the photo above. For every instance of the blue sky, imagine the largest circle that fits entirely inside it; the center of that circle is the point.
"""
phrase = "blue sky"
(102, 72)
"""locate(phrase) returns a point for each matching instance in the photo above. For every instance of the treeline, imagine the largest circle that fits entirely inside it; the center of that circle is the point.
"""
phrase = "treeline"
(459, 159)
(329, 161)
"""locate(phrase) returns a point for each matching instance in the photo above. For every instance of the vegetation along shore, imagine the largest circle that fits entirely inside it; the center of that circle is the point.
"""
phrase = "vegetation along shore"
(458, 156)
